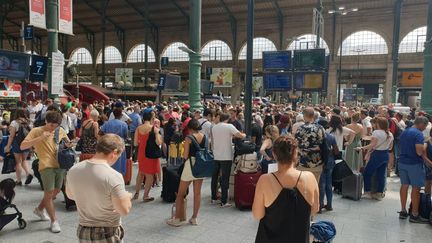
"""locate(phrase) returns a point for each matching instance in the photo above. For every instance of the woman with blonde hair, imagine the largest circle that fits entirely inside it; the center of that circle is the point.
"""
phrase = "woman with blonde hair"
(271, 134)
(353, 158)
(377, 156)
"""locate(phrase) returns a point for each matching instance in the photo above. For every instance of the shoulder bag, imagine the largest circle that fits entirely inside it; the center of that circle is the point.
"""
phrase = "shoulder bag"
(66, 156)
(152, 150)
(204, 160)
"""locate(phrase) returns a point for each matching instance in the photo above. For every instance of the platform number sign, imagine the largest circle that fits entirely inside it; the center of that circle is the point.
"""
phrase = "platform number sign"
(164, 61)
(162, 81)
(38, 68)
(28, 32)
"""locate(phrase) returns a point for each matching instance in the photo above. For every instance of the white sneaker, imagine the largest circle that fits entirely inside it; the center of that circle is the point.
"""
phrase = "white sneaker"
(41, 214)
(215, 202)
(55, 227)
(226, 205)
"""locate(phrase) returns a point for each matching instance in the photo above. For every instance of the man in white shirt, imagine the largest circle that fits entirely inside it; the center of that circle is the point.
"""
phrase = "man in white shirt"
(205, 122)
(223, 132)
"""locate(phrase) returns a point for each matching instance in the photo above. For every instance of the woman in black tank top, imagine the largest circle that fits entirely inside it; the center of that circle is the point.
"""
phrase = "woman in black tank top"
(285, 200)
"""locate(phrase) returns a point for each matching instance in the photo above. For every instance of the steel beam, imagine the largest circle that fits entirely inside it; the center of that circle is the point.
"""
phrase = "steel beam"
(233, 23)
(101, 13)
(249, 67)
(280, 18)
(426, 99)
(395, 48)
(144, 15)
(186, 15)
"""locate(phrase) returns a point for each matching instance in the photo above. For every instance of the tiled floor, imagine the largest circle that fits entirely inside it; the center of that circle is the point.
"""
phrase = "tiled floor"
(362, 221)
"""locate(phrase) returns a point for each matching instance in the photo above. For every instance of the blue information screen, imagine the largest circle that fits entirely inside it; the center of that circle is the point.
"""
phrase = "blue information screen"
(169, 82)
(277, 81)
(277, 60)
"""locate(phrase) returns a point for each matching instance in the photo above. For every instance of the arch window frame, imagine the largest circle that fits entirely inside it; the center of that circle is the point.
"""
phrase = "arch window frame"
(407, 43)
(174, 54)
(262, 44)
(216, 50)
(360, 40)
(112, 55)
(310, 41)
(139, 50)
(83, 56)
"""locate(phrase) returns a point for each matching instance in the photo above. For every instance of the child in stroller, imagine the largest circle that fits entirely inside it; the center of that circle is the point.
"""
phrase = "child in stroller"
(7, 194)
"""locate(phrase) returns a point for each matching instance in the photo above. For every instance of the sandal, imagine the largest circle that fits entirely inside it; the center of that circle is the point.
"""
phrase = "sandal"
(149, 199)
(135, 197)
(193, 221)
(174, 222)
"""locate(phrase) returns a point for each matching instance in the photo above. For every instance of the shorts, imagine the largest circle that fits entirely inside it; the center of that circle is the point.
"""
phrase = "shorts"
(413, 175)
(428, 171)
(100, 234)
(186, 174)
(15, 148)
(52, 178)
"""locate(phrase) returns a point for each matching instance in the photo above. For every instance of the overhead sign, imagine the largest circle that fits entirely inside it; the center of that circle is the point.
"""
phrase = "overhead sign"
(277, 81)
(9, 93)
(28, 32)
(38, 68)
(164, 61)
(412, 79)
(65, 14)
(206, 86)
(57, 73)
(222, 77)
(14, 65)
(257, 83)
(280, 60)
(37, 13)
(309, 81)
(169, 82)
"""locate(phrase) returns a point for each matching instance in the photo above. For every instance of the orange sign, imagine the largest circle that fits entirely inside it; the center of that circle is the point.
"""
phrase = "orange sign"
(411, 79)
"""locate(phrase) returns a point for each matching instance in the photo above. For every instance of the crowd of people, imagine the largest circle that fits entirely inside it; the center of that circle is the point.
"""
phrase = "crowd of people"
(305, 144)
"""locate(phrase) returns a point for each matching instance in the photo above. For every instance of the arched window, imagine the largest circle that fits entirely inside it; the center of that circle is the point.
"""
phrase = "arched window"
(216, 50)
(30, 52)
(138, 54)
(363, 43)
(81, 56)
(174, 54)
(307, 42)
(259, 45)
(112, 55)
(414, 41)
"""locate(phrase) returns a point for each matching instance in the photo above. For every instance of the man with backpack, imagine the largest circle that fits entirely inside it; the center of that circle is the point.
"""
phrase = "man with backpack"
(45, 146)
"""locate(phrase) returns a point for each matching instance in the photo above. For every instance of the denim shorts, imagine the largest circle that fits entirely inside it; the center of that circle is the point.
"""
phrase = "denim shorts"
(413, 175)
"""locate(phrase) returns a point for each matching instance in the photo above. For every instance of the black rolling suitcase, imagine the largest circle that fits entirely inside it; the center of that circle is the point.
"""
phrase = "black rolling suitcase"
(352, 186)
(69, 203)
(171, 177)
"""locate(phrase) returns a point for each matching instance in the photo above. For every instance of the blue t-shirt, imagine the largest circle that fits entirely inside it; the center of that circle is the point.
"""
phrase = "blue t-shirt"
(408, 141)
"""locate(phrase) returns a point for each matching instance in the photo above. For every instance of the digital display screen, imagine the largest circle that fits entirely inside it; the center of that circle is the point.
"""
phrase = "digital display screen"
(311, 59)
(309, 81)
(277, 60)
(14, 65)
(169, 82)
(277, 81)
(206, 86)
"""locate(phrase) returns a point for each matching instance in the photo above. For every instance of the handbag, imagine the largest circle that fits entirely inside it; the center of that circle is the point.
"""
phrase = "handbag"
(152, 150)
(78, 146)
(66, 156)
(204, 160)
(8, 164)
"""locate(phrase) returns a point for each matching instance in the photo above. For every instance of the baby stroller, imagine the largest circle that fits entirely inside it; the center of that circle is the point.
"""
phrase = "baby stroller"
(6, 195)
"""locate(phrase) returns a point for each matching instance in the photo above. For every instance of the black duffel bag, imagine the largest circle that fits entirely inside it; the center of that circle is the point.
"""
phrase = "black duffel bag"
(244, 147)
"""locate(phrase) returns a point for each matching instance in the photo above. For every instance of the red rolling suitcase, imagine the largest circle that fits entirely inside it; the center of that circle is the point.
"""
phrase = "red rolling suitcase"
(244, 188)
(128, 176)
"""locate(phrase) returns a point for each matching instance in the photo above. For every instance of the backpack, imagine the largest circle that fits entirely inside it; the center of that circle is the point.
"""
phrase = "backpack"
(204, 159)
(22, 132)
(246, 163)
(395, 128)
(39, 121)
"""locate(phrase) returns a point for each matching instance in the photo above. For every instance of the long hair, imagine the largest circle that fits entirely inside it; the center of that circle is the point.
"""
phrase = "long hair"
(383, 124)
(335, 124)
(273, 131)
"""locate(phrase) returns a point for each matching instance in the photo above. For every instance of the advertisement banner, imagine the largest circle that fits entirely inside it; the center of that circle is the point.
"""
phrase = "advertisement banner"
(222, 77)
(123, 74)
(57, 73)
(37, 13)
(65, 17)
(412, 79)
(257, 83)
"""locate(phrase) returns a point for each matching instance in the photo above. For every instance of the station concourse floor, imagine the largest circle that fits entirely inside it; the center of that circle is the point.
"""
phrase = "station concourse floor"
(356, 222)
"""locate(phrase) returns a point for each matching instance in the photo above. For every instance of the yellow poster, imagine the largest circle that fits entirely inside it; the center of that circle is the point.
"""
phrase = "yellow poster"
(222, 77)
(313, 81)
(411, 79)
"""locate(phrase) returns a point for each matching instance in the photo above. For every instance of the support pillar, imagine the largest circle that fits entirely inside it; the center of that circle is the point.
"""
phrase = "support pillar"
(52, 27)
(332, 84)
(249, 67)
(395, 48)
(388, 85)
(319, 30)
(195, 55)
(426, 100)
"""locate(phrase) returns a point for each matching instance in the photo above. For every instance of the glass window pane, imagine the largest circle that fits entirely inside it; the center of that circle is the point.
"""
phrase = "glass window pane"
(414, 41)
(259, 45)
(174, 54)
(82, 56)
(216, 50)
(363, 43)
(112, 55)
(307, 42)
(138, 54)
